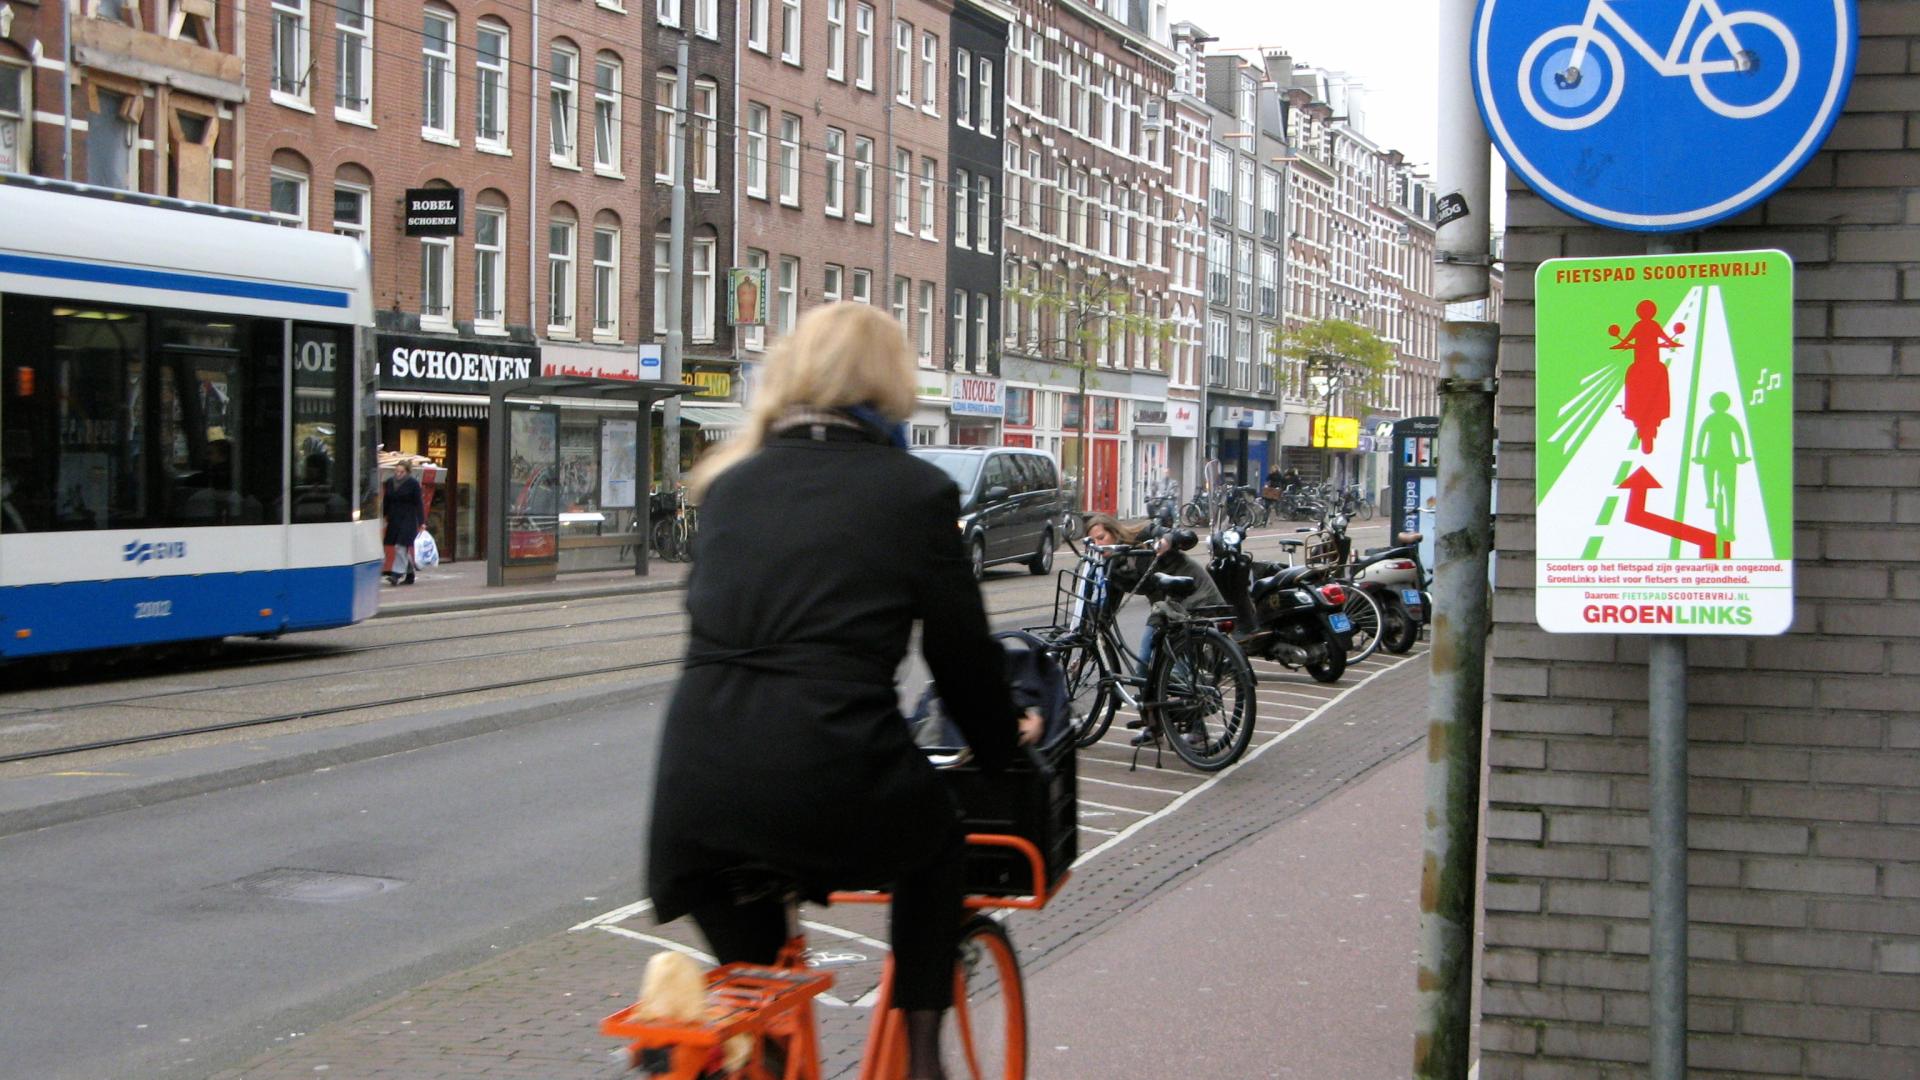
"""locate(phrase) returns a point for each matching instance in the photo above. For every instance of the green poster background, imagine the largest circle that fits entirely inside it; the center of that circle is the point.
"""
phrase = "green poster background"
(1578, 300)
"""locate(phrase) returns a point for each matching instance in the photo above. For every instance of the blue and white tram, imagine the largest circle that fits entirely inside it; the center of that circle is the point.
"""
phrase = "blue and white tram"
(186, 424)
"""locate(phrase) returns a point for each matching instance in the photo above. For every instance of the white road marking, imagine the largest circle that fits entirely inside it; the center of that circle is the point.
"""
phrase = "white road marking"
(1102, 832)
(1132, 787)
(829, 928)
(1109, 806)
(619, 914)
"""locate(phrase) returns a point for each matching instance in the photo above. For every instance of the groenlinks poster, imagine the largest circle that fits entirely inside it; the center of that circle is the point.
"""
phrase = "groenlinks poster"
(1664, 434)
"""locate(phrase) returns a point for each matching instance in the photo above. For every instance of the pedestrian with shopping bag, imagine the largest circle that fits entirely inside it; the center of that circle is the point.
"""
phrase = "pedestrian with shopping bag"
(405, 510)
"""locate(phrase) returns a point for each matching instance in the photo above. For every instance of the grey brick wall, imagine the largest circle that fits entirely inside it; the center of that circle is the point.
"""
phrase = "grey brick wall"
(1805, 749)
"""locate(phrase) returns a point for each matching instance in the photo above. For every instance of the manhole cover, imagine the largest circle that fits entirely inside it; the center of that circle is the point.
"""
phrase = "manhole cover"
(315, 886)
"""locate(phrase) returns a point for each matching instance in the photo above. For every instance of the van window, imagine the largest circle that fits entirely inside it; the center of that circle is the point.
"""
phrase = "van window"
(1000, 472)
(1045, 478)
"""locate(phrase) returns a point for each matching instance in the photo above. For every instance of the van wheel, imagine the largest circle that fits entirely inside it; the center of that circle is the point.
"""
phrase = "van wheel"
(977, 557)
(1042, 561)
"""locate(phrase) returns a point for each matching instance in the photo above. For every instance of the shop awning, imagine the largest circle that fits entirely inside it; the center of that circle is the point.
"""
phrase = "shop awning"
(713, 416)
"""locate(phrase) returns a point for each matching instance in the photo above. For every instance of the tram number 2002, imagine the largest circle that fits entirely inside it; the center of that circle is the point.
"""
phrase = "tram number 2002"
(152, 609)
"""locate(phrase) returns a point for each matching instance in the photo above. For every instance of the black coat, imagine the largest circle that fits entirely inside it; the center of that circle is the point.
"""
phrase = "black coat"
(784, 744)
(404, 508)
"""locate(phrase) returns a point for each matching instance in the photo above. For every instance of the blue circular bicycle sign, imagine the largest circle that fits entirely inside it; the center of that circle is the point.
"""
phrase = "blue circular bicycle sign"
(1660, 115)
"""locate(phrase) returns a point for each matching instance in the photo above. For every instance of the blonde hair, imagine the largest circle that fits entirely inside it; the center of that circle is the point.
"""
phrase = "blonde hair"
(838, 356)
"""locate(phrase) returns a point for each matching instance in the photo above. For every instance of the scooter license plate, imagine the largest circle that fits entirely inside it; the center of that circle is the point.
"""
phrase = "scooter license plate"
(1340, 623)
(1411, 597)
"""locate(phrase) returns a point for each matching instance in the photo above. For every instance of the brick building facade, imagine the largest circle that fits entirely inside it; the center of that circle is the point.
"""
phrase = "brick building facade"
(1805, 749)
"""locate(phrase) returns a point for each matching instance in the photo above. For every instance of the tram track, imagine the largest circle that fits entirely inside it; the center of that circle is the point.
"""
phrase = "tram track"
(242, 723)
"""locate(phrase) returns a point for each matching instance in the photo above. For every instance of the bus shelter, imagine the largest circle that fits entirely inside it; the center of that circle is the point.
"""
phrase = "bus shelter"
(568, 471)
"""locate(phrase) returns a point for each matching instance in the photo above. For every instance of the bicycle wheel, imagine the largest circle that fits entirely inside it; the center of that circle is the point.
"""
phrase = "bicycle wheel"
(1088, 700)
(662, 537)
(1193, 514)
(984, 1035)
(1366, 510)
(1202, 690)
(1368, 623)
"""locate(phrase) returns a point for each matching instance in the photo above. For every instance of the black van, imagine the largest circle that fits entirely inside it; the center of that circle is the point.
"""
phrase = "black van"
(1010, 503)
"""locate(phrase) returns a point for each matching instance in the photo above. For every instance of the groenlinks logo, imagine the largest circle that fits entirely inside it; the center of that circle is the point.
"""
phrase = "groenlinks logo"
(141, 551)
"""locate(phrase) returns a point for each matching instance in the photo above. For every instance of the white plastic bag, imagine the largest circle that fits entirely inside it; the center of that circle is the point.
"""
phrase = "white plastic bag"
(425, 551)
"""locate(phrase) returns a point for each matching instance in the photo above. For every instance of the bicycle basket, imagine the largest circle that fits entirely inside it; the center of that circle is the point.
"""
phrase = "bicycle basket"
(1079, 594)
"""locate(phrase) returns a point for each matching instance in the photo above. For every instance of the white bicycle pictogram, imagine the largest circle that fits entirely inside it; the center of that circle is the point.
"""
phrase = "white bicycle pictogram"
(1567, 74)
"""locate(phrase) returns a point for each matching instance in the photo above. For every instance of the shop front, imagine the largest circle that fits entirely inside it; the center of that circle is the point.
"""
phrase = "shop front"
(977, 408)
(433, 405)
(1152, 467)
(928, 425)
(1183, 444)
(1241, 439)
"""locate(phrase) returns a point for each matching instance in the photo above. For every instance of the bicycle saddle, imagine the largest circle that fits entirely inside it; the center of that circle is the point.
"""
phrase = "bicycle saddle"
(1170, 586)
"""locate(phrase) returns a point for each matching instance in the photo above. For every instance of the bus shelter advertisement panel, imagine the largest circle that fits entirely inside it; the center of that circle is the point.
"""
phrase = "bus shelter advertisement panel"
(1664, 429)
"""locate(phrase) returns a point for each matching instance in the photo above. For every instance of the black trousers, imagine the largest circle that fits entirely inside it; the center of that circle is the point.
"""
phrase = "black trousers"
(924, 928)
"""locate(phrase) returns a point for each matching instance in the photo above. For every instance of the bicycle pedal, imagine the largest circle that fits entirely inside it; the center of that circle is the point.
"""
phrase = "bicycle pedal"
(1136, 723)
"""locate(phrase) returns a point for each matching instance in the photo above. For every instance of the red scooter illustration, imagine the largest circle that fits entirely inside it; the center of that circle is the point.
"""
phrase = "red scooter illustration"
(1649, 401)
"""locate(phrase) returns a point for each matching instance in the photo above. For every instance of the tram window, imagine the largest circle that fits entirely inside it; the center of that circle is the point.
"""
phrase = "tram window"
(117, 419)
(322, 435)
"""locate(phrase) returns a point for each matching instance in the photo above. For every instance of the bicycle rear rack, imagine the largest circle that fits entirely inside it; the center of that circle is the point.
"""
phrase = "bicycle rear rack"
(742, 999)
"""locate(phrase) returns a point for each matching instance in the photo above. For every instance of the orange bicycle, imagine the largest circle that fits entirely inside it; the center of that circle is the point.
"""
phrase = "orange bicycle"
(984, 1036)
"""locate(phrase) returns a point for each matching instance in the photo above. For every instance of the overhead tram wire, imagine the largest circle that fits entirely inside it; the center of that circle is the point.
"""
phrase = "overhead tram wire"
(585, 91)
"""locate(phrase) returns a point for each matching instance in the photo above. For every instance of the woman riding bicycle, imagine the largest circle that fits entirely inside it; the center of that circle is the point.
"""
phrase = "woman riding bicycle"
(784, 754)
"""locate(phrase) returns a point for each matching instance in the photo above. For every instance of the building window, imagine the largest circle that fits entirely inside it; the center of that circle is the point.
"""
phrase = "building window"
(290, 51)
(930, 72)
(705, 134)
(957, 356)
(666, 148)
(756, 150)
(837, 40)
(1245, 176)
(668, 12)
(863, 46)
(984, 103)
(1220, 184)
(923, 332)
(790, 31)
(1243, 274)
(706, 18)
(787, 295)
(353, 59)
(1243, 354)
(350, 202)
(862, 179)
(752, 337)
(903, 62)
(489, 268)
(287, 197)
(490, 58)
(757, 24)
(980, 312)
(983, 214)
(902, 288)
(662, 274)
(1269, 282)
(929, 205)
(606, 283)
(963, 88)
(1269, 204)
(606, 115)
(962, 206)
(1219, 260)
(110, 143)
(700, 273)
(836, 199)
(863, 286)
(830, 282)
(15, 113)
(563, 102)
(436, 281)
(1216, 351)
(436, 100)
(560, 278)
(789, 160)
(903, 190)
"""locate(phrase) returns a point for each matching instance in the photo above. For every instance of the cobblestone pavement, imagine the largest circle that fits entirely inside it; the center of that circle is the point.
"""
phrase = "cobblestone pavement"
(534, 1011)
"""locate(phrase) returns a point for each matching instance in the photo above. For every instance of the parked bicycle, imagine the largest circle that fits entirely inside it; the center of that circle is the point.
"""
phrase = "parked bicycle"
(1197, 693)
(672, 525)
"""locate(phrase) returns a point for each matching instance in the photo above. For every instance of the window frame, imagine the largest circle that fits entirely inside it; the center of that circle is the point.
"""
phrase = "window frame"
(863, 45)
(759, 25)
(447, 85)
(962, 208)
(786, 292)
(833, 279)
(835, 201)
(706, 19)
(754, 338)
(903, 191)
(363, 66)
(862, 180)
(666, 142)
(983, 214)
(903, 62)
(963, 88)
(957, 310)
(930, 72)
(564, 93)
(500, 72)
(792, 32)
(983, 100)
(837, 40)
(22, 119)
(285, 89)
(562, 278)
(860, 286)
(929, 200)
(927, 296)
(702, 295)
(606, 285)
(358, 230)
(300, 182)
(790, 158)
(757, 140)
(705, 133)
(607, 115)
(494, 268)
(436, 249)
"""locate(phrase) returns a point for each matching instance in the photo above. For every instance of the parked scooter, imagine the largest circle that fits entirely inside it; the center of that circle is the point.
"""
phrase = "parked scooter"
(1395, 578)
(1278, 615)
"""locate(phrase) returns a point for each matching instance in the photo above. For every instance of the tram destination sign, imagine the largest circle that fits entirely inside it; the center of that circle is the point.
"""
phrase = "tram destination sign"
(1664, 441)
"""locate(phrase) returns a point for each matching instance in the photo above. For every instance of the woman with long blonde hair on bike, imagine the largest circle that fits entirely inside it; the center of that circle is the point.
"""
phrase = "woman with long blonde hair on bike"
(784, 753)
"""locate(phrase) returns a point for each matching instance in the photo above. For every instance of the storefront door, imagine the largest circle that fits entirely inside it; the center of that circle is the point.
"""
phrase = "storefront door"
(1106, 475)
(456, 502)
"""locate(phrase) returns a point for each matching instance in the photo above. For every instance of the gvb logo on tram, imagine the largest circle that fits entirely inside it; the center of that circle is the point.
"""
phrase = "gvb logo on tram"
(143, 551)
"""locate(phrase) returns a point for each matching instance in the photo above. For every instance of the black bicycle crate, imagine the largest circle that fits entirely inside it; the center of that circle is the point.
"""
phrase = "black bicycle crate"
(1041, 805)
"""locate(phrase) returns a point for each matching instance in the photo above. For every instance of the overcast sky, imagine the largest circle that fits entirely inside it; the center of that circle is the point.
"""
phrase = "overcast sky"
(1389, 44)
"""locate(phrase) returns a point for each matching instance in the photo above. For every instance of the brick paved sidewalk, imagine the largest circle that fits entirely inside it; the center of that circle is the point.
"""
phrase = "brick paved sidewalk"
(534, 1012)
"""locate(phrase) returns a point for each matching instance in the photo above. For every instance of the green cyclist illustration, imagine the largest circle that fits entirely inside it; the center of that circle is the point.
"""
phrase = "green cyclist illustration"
(1720, 449)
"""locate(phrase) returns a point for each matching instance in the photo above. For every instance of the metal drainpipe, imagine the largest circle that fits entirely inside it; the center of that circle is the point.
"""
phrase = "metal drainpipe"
(533, 184)
(1449, 878)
